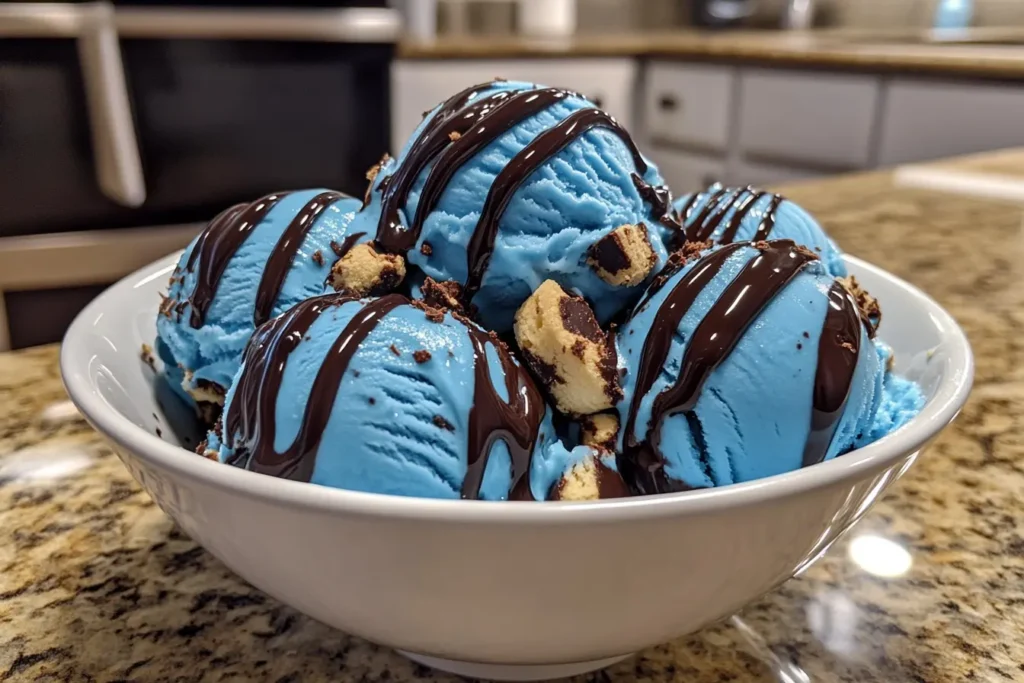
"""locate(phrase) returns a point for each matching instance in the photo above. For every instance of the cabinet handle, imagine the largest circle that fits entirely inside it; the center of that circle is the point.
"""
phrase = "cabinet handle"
(668, 103)
(118, 164)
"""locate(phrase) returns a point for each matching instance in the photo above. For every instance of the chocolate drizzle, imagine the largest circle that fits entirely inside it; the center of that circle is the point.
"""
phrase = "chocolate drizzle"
(217, 244)
(438, 132)
(456, 133)
(838, 350)
(528, 160)
(487, 128)
(710, 344)
(251, 421)
(717, 207)
(515, 422)
(660, 199)
(346, 244)
(283, 255)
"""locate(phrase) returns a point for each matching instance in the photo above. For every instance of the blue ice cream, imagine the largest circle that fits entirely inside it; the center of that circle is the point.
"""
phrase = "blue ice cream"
(251, 263)
(748, 361)
(387, 396)
(507, 184)
(724, 215)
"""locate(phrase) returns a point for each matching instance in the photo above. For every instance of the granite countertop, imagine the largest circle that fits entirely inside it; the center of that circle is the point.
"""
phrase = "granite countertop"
(98, 585)
(838, 49)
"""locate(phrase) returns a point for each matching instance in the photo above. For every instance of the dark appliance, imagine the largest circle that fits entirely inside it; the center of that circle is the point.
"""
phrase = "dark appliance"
(141, 114)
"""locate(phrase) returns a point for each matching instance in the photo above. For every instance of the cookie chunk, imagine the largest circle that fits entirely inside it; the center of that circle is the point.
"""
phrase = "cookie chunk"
(595, 477)
(364, 271)
(599, 431)
(624, 257)
(203, 391)
(567, 350)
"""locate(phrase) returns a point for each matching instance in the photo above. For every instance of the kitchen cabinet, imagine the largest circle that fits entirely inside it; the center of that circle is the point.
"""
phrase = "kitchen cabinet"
(819, 119)
(689, 105)
(688, 172)
(418, 85)
(932, 119)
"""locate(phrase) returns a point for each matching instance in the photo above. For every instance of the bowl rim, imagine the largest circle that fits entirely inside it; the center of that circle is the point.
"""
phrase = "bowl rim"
(947, 402)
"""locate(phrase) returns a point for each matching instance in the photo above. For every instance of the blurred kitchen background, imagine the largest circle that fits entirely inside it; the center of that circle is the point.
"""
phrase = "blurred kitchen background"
(124, 126)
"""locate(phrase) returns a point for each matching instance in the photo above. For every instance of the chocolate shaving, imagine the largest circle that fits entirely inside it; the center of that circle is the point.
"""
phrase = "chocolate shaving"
(318, 257)
(444, 295)
(394, 350)
(443, 423)
(421, 356)
(867, 305)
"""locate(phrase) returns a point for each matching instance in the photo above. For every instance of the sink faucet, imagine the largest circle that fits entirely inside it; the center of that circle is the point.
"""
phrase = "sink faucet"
(798, 15)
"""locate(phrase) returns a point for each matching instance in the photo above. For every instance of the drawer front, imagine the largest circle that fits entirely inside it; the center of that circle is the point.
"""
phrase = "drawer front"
(817, 118)
(685, 172)
(929, 120)
(770, 175)
(417, 86)
(689, 105)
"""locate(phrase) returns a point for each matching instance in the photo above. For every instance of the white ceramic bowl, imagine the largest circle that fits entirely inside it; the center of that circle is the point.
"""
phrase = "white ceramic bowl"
(504, 590)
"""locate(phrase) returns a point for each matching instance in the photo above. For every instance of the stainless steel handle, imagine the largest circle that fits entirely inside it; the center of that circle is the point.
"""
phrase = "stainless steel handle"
(115, 148)
(348, 25)
(118, 165)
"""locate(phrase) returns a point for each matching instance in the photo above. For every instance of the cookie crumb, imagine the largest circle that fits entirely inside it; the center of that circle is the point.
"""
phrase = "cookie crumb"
(426, 249)
(166, 305)
(318, 257)
(443, 423)
(454, 135)
(372, 400)
(147, 356)
(444, 295)
(421, 356)
(599, 431)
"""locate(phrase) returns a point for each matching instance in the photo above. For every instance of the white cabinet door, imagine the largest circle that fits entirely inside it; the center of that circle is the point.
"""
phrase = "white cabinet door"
(821, 119)
(418, 85)
(689, 104)
(685, 172)
(932, 119)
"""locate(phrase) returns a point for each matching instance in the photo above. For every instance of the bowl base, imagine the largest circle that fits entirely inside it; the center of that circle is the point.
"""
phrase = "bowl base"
(512, 672)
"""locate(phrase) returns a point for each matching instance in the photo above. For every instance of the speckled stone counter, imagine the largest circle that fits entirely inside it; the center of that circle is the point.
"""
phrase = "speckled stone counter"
(97, 585)
(834, 49)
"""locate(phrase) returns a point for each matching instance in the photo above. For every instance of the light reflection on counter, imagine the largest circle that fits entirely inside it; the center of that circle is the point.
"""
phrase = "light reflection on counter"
(880, 556)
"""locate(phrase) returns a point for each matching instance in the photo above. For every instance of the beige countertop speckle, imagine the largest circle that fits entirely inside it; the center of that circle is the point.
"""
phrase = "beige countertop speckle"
(814, 49)
(97, 585)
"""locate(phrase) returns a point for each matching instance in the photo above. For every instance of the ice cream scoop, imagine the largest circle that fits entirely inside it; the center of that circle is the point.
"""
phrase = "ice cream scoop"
(389, 396)
(252, 262)
(508, 184)
(724, 215)
(748, 360)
